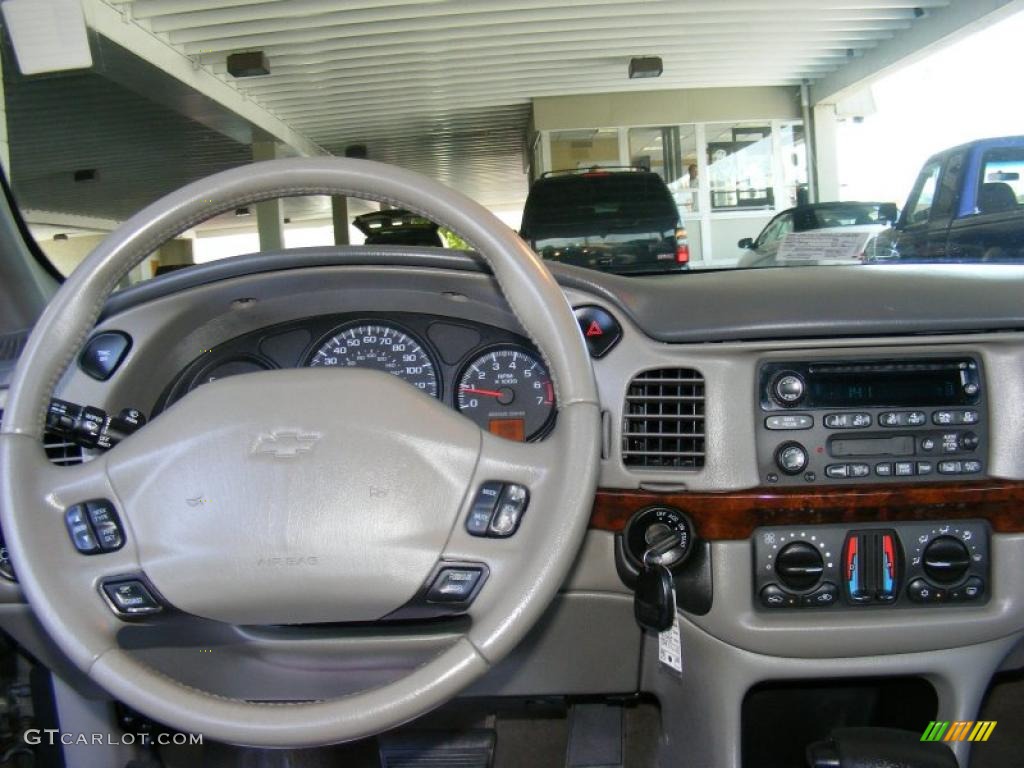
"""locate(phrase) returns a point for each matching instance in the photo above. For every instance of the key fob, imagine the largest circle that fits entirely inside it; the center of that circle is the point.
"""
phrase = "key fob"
(654, 602)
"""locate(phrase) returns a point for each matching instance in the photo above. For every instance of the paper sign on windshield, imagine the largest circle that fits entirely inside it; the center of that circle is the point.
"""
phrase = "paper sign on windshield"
(823, 246)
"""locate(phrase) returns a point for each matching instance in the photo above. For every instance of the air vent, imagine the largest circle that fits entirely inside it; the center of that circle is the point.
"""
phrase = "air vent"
(58, 450)
(663, 420)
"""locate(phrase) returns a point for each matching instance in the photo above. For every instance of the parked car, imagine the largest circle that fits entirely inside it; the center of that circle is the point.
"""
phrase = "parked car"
(966, 206)
(869, 217)
(621, 220)
(397, 227)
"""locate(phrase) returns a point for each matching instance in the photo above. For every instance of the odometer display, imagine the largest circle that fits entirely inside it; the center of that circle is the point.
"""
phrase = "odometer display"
(508, 392)
(383, 348)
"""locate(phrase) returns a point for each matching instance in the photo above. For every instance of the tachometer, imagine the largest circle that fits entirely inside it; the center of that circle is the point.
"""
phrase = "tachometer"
(381, 347)
(508, 392)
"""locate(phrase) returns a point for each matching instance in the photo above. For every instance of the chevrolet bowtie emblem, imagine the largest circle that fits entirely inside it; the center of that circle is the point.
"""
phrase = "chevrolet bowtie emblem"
(285, 443)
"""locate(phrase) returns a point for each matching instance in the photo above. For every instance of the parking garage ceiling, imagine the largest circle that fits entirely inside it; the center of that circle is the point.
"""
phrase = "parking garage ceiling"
(444, 86)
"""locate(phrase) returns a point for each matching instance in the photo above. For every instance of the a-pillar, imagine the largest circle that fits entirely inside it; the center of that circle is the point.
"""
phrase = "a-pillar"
(339, 216)
(269, 216)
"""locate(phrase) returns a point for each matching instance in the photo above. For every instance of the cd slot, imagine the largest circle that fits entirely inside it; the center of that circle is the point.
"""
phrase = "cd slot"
(890, 445)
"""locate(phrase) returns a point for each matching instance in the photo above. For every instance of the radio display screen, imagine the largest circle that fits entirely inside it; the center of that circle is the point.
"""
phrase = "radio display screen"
(890, 388)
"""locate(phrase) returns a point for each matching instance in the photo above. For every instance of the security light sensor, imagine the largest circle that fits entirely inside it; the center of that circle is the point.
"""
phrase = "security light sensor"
(645, 66)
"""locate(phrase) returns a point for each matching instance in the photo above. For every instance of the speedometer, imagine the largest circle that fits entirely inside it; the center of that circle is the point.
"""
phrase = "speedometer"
(508, 392)
(381, 347)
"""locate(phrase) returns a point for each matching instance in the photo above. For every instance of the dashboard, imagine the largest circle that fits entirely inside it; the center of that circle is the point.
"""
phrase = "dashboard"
(794, 569)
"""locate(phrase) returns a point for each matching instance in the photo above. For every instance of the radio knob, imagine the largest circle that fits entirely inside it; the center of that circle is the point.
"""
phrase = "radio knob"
(788, 389)
(799, 565)
(791, 458)
(946, 559)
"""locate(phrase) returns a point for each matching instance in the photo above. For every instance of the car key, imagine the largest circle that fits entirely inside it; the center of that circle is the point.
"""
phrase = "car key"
(654, 601)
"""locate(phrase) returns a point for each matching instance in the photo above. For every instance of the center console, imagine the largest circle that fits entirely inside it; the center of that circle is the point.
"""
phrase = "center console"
(871, 421)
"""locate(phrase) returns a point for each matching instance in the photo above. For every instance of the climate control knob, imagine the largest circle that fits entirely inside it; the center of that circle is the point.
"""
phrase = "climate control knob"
(946, 559)
(799, 565)
(788, 388)
(791, 458)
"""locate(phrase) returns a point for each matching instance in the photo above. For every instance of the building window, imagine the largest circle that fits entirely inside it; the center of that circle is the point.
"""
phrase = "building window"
(574, 150)
(740, 159)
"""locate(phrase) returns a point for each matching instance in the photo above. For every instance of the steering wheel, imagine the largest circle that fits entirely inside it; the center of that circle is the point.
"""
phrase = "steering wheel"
(349, 529)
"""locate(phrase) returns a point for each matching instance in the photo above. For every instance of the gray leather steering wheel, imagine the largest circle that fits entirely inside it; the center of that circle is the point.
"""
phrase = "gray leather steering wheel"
(368, 534)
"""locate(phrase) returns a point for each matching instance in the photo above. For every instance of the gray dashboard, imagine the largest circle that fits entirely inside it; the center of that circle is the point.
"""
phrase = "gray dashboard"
(724, 325)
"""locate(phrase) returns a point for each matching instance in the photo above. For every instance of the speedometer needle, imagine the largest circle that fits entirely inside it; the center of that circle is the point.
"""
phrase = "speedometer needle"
(475, 391)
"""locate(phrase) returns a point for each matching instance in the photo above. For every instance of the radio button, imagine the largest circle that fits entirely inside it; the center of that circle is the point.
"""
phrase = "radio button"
(889, 419)
(950, 467)
(903, 419)
(859, 470)
(848, 420)
(927, 444)
(884, 469)
(968, 417)
(836, 471)
(943, 418)
(971, 467)
(951, 442)
(924, 467)
(904, 468)
(789, 421)
(792, 458)
(789, 388)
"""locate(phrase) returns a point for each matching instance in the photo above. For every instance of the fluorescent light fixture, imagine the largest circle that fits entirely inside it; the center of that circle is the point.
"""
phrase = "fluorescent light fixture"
(249, 64)
(645, 66)
(48, 35)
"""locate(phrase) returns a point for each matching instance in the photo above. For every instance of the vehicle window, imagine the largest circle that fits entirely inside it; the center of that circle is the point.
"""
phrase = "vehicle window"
(1002, 179)
(920, 204)
(740, 160)
(777, 230)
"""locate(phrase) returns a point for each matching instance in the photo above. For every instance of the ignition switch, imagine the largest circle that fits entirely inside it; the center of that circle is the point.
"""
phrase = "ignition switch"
(653, 524)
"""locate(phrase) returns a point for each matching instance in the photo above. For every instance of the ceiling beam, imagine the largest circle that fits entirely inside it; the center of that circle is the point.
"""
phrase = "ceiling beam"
(939, 28)
(110, 23)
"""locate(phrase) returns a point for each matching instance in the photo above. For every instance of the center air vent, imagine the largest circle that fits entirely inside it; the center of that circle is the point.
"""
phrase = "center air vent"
(663, 420)
(58, 450)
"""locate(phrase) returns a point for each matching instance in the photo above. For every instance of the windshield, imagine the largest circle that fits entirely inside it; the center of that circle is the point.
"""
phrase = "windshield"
(644, 138)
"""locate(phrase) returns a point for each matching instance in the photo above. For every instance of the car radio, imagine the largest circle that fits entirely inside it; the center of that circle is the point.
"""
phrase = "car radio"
(837, 421)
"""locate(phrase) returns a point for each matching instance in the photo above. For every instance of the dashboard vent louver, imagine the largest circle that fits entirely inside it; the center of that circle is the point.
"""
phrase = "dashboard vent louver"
(663, 420)
(58, 450)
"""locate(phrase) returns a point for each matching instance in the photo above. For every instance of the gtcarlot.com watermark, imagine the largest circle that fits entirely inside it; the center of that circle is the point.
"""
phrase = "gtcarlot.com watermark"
(52, 737)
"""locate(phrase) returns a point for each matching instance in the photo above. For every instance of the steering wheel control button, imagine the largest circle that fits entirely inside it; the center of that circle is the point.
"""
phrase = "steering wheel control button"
(106, 525)
(131, 598)
(104, 353)
(77, 520)
(94, 527)
(511, 507)
(479, 520)
(789, 421)
(497, 509)
(455, 585)
(600, 329)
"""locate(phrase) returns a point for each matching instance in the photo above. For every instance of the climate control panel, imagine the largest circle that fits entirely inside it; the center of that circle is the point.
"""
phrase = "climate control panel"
(901, 565)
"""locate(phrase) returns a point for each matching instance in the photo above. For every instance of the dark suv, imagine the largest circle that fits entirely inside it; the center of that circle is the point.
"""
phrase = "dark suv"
(621, 220)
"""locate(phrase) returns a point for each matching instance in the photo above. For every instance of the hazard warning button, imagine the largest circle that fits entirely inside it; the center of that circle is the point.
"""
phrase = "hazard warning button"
(599, 329)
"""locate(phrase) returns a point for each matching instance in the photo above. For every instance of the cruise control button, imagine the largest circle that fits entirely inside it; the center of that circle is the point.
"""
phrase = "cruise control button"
(131, 598)
(454, 585)
(82, 537)
(600, 329)
(789, 421)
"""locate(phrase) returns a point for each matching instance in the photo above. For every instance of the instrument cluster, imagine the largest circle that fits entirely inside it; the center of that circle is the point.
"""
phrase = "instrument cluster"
(490, 375)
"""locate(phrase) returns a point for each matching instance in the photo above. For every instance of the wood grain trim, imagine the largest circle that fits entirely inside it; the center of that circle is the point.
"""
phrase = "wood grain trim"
(736, 515)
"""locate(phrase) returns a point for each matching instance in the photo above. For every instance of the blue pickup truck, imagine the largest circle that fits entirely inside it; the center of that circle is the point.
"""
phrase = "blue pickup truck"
(967, 205)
